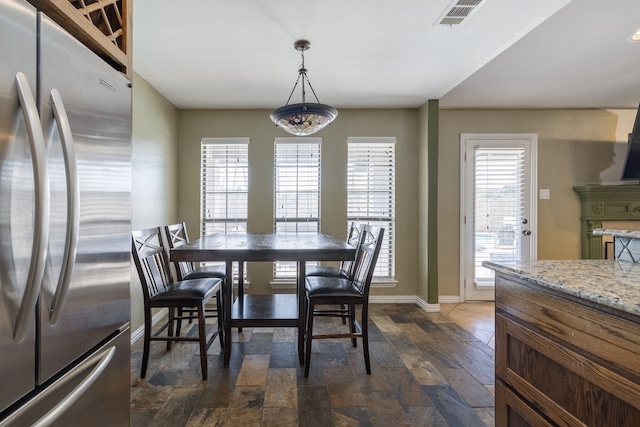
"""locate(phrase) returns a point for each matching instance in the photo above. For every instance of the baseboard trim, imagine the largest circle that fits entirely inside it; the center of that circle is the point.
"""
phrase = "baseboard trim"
(139, 333)
(392, 299)
(429, 308)
(449, 299)
(405, 299)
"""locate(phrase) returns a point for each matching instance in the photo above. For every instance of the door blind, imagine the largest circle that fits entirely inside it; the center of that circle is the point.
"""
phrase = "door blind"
(499, 206)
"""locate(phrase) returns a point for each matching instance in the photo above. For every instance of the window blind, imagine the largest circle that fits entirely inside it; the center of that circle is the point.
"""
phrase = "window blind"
(371, 192)
(224, 185)
(296, 192)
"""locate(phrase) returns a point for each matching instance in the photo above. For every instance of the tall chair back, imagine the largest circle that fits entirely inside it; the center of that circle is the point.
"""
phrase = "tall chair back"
(177, 236)
(346, 267)
(352, 239)
(150, 258)
(366, 258)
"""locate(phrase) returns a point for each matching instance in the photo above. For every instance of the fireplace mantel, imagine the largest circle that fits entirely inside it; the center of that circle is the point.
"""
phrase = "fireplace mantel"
(600, 203)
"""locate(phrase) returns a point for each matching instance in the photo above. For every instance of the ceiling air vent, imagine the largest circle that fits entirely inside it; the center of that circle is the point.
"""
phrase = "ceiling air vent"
(458, 11)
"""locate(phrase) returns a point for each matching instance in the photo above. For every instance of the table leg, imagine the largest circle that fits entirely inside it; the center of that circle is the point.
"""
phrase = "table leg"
(240, 279)
(227, 292)
(240, 284)
(301, 310)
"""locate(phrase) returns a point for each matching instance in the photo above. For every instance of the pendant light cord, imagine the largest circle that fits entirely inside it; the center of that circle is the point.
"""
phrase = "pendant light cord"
(302, 72)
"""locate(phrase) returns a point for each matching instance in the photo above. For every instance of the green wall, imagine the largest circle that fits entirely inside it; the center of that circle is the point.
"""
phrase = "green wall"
(403, 124)
(575, 147)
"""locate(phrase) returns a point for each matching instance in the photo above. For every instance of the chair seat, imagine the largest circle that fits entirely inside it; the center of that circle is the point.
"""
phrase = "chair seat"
(209, 271)
(324, 270)
(194, 290)
(323, 287)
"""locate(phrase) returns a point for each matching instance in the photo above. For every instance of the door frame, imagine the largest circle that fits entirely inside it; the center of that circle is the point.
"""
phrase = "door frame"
(532, 139)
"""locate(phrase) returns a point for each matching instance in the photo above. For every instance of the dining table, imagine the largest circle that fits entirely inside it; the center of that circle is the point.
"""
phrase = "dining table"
(273, 310)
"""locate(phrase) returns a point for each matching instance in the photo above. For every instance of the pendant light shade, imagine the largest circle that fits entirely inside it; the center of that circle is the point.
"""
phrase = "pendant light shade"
(304, 118)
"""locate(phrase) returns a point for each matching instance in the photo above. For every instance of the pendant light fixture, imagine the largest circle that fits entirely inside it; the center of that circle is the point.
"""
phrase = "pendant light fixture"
(304, 118)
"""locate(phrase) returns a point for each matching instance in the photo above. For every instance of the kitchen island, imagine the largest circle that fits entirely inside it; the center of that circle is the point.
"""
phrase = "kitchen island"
(567, 343)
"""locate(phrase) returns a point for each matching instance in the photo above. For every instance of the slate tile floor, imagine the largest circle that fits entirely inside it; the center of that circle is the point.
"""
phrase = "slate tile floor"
(428, 369)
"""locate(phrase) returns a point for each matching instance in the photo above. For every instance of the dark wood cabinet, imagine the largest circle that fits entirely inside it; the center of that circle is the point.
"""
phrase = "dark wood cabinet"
(562, 360)
(104, 26)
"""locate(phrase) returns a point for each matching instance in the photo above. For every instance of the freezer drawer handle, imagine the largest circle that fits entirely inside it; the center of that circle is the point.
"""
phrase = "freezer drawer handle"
(73, 207)
(41, 225)
(50, 417)
(100, 359)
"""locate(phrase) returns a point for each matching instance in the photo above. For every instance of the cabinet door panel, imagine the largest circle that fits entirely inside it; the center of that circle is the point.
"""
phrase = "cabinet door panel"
(514, 412)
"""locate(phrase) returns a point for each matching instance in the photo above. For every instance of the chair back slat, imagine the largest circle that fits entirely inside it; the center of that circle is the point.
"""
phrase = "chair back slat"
(353, 237)
(158, 277)
(177, 236)
(366, 257)
(150, 258)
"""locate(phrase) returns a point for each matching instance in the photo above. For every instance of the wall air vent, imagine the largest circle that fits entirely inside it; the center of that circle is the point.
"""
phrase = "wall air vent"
(458, 11)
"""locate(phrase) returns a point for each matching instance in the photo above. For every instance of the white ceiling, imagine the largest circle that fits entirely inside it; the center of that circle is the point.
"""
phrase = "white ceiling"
(377, 54)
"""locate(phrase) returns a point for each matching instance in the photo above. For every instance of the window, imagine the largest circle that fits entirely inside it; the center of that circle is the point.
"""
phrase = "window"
(371, 192)
(224, 185)
(296, 192)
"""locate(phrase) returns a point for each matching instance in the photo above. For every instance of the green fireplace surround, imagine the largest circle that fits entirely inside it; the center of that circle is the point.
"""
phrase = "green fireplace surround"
(601, 203)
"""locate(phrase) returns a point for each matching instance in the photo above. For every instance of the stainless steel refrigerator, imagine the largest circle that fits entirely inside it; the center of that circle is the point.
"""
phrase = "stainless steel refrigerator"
(65, 167)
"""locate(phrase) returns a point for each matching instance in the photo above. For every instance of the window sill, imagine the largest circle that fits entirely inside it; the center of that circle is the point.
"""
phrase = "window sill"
(286, 285)
(384, 282)
(290, 285)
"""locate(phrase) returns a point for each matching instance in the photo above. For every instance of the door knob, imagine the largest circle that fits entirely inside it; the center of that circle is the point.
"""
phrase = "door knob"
(526, 232)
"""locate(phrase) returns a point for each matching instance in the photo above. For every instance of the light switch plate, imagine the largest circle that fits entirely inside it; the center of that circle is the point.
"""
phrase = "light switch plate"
(545, 193)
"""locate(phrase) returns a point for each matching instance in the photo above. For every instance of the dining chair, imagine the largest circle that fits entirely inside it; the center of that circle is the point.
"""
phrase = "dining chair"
(349, 292)
(160, 291)
(346, 267)
(176, 235)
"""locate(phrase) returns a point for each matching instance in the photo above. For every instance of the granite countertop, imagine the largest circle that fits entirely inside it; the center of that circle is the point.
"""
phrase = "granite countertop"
(615, 284)
(634, 234)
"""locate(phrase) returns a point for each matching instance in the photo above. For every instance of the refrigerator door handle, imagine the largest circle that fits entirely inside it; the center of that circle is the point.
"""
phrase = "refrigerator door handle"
(41, 222)
(73, 207)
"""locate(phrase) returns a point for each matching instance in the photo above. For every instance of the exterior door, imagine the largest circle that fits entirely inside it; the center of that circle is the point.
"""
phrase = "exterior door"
(498, 207)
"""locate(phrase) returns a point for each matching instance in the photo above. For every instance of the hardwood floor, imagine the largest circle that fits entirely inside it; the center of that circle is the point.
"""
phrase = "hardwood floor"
(428, 369)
